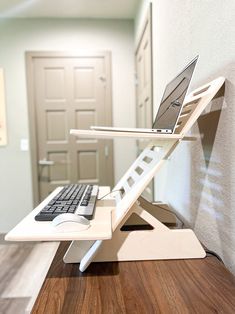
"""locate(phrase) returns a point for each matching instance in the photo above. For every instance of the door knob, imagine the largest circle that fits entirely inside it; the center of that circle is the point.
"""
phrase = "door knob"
(102, 78)
(44, 162)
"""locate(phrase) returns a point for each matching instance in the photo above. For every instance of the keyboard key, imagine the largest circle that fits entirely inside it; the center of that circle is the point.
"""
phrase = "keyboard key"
(74, 198)
(60, 211)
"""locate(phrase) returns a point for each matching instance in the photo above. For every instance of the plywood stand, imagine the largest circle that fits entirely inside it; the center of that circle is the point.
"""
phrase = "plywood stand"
(160, 242)
(108, 238)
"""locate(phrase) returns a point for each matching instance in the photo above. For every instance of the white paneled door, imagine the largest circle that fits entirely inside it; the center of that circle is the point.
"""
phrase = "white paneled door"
(68, 92)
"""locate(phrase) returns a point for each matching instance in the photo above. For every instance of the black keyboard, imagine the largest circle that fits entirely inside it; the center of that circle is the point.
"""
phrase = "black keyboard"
(74, 198)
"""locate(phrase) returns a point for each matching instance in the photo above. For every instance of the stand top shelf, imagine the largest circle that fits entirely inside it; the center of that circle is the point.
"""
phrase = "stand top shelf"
(115, 134)
(193, 106)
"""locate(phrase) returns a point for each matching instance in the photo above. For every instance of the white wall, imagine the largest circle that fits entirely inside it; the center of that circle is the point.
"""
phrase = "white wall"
(20, 35)
(200, 176)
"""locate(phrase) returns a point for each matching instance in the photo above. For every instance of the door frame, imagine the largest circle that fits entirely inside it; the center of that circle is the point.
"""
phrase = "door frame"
(29, 59)
(147, 21)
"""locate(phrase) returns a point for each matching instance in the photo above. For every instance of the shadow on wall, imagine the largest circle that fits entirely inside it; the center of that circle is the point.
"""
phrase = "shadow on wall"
(208, 124)
(205, 176)
(212, 201)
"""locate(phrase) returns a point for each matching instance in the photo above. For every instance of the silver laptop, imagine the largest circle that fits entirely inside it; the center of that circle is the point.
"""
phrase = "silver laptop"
(170, 106)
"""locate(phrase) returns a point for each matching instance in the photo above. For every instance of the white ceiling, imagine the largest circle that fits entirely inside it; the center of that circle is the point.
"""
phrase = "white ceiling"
(113, 9)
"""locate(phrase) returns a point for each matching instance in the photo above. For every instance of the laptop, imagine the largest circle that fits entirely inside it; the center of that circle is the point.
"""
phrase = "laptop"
(170, 106)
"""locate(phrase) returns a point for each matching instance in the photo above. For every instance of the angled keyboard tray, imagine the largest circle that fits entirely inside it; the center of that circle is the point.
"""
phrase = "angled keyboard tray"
(31, 230)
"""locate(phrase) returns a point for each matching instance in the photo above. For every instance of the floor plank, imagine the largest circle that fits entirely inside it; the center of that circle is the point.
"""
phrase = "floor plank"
(11, 259)
(23, 267)
(13, 305)
(32, 271)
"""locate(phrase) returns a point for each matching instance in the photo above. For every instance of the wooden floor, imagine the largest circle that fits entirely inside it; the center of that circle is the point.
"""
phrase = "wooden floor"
(200, 286)
(23, 267)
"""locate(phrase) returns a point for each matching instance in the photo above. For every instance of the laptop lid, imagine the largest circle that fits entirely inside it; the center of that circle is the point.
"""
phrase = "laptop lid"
(173, 98)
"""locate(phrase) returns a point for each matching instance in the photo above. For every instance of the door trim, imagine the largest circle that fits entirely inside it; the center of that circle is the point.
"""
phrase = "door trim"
(29, 59)
(147, 20)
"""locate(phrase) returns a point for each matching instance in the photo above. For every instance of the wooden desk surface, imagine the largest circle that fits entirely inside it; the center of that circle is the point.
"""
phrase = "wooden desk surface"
(176, 286)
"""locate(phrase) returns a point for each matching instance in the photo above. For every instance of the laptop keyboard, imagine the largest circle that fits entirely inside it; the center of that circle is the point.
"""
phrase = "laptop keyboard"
(74, 198)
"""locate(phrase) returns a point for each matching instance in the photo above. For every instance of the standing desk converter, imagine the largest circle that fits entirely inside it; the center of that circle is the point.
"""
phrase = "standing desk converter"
(104, 240)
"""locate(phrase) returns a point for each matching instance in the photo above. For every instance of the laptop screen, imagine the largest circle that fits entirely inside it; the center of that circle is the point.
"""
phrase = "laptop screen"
(173, 98)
